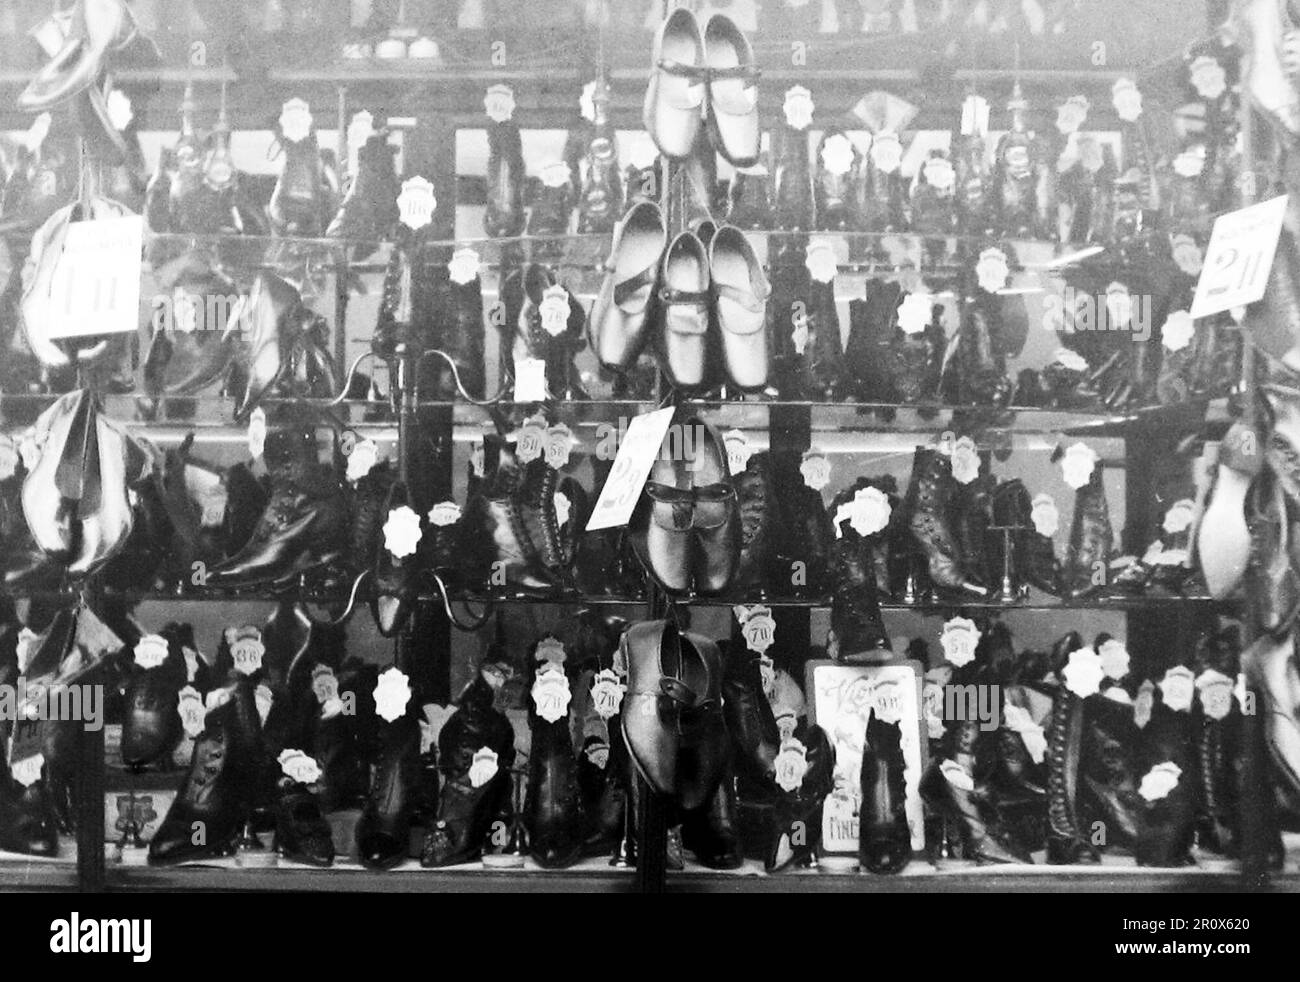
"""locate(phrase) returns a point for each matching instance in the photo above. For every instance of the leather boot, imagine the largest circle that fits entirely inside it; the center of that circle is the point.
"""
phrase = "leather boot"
(545, 333)
(869, 354)
(1090, 540)
(757, 505)
(601, 772)
(552, 207)
(1168, 824)
(978, 373)
(971, 515)
(792, 182)
(301, 833)
(950, 785)
(396, 585)
(1066, 844)
(338, 740)
(839, 170)
(218, 790)
(304, 524)
(928, 505)
(1108, 770)
(1033, 555)
(369, 209)
(504, 217)
(804, 537)
(301, 204)
(711, 830)
(855, 610)
(751, 726)
(797, 817)
(383, 834)
(557, 821)
(600, 200)
(151, 726)
(885, 840)
(882, 195)
(749, 198)
(476, 749)
(918, 359)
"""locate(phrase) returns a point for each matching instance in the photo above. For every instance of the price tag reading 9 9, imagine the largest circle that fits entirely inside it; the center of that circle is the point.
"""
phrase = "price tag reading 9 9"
(1239, 257)
(636, 455)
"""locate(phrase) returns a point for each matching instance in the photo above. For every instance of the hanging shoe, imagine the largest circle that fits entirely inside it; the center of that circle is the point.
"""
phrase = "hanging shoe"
(383, 834)
(928, 504)
(217, 792)
(476, 749)
(740, 292)
(684, 304)
(622, 309)
(732, 92)
(884, 840)
(1223, 541)
(600, 197)
(304, 524)
(369, 210)
(676, 92)
(504, 217)
(1087, 562)
(672, 714)
(97, 33)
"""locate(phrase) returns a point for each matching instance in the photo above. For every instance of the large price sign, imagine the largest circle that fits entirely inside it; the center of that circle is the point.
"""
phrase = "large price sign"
(636, 455)
(1239, 257)
(95, 288)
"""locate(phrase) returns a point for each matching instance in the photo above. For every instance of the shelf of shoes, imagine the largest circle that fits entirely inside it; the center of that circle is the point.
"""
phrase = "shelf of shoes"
(1115, 874)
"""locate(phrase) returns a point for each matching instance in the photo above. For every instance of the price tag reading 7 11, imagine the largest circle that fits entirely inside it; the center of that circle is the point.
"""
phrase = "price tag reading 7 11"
(1239, 257)
(636, 455)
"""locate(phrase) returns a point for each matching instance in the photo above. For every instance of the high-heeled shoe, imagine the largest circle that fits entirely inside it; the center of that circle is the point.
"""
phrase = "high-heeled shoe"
(504, 216)
(1086, 566)
(218, 789)
(476, 750)
(383, 834)
(928, 505)
(884, 839)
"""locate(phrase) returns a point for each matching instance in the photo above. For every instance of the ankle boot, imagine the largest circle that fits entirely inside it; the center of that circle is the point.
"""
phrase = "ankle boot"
(301, 833)
(339, 740)
(304, 524)
(605, 800)
(869, 355)
(917, 359)
(217, 793)
(855, 610)
(885, 840)
(476, 749)
(504, 217)
(557, 821)
(757, 505)
(1168, 825)
(979, 369)
(369, 210)
(882, 195)
(792, 183)
(839, 170)
(1033, 559)
(1090, 540)
(546, 332)
(395, 577)
(796, 831)
(301, 203)
(151, 726)
(27, 821)
(928, 506)
(804, 536)
(950, 785)
(1108, 770)
(552, 205)
(711, 830)
(970, 517)
(1066, 844)
(749, 198)
(751, 727)
(383, 834)
(600, 201)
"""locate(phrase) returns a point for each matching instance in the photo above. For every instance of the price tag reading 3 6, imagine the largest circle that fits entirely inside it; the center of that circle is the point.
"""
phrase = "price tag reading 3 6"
(95, 288)
(1239, 257)
(636, 455)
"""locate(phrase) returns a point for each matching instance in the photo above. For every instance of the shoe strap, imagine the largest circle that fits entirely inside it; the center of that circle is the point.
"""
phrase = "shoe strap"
(678, 691)
(623, 291)
(683, 297)
(747, 73)
(751, 301)
(697, 73)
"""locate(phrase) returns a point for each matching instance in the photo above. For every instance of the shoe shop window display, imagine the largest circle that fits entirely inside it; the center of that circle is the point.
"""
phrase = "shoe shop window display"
(965, 538)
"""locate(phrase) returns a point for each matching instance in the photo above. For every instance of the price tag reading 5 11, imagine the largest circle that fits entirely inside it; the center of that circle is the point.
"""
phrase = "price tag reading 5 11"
(95, 288)
(636, 455)
(1239, 257)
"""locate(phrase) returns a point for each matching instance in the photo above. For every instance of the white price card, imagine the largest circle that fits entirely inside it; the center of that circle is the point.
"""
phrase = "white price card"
(1239, 257)
(95, 288)
(636, 455)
